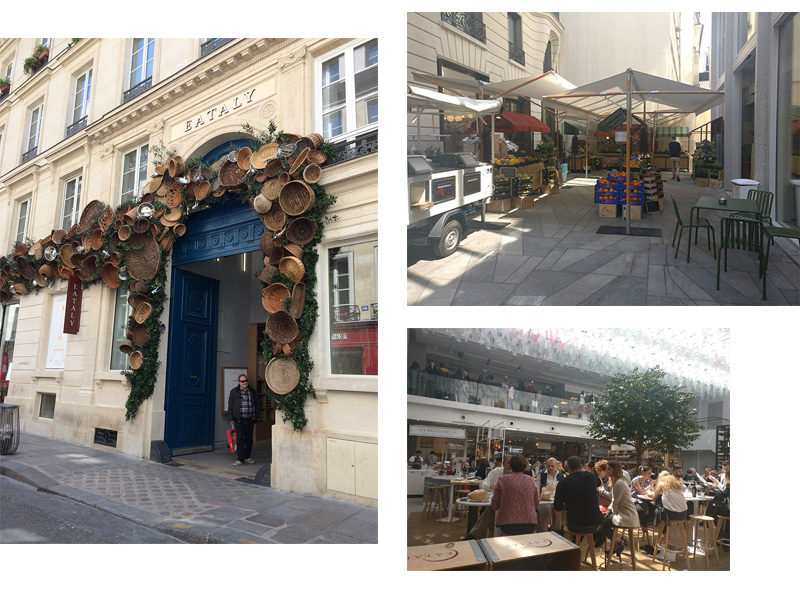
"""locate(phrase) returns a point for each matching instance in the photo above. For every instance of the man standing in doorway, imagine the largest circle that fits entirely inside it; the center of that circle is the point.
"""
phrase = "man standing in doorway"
(675, 157)
(244, 409)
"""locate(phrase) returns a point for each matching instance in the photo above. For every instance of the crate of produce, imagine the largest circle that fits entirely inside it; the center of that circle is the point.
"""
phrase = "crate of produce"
(607, 210)
(502, 188)
(523, 186)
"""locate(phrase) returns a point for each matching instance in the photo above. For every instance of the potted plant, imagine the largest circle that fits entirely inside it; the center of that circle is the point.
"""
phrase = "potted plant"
(31, 64)
(42, 53)
(5, 85)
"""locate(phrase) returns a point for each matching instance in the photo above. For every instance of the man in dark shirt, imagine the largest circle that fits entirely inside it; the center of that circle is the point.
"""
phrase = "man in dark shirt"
(244, 410)
(675, 157)
(577, 494)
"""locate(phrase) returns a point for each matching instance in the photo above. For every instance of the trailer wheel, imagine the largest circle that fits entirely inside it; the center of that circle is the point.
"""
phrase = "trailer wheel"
(449, 240)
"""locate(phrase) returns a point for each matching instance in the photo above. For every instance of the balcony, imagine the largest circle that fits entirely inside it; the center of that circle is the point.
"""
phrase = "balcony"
(361, 146)
(138, 89)
(77, 126)
(209, 46)
(516, 53)
(469, 23)
(479, 394)
(29, 155)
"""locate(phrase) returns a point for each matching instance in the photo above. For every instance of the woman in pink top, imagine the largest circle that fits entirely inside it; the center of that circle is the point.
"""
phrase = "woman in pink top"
(516, 499)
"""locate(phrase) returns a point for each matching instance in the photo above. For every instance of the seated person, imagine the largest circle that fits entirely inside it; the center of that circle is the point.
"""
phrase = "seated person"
(693, 477)
(516, 499)
(622, 513)
(604, 489)
(670, 491)
(577, 495)
(641, 485)
(491, 479)
(482, 469)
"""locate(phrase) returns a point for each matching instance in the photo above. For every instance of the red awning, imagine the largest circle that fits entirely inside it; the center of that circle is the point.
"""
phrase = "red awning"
(511, 122)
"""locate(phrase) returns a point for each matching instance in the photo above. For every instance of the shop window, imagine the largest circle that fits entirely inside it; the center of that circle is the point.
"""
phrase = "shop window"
(134, 173)
(353, 308)
(119, 360)
(47, 406)
(23, 212)
(9, 334)
(787, 196)
(72, 202)
(347, 96)
(57, 339)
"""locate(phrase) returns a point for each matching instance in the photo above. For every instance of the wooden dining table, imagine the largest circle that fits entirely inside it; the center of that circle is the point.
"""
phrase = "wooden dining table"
(713, 203)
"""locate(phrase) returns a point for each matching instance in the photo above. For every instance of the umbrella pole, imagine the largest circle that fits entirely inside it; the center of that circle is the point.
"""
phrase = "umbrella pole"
(483, 205)
(586, 151)
(628, 158)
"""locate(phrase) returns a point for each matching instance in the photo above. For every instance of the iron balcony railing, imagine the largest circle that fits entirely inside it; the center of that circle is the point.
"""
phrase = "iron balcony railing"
(516, 53)
(469, 23)
(77, 126)
(471, 392)
(209, 46)
(361, 146)
(29, 154)
(136, 90)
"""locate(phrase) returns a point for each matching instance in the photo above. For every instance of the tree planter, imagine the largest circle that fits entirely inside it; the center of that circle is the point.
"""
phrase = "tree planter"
(43, 55)
(4, 89)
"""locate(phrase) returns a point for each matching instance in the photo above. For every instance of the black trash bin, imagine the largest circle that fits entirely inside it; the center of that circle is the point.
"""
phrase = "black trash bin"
(9, 428)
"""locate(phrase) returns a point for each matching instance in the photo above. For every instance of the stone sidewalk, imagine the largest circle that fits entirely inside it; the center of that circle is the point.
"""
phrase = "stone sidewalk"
(550, 254)
(194, 506)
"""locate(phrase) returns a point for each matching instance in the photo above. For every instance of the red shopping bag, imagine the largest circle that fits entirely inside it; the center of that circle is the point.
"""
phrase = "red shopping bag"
(232, 440)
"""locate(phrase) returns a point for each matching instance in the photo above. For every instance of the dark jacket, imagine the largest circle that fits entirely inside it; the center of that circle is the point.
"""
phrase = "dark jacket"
(234, 404)
(543, 478)
(675, 149)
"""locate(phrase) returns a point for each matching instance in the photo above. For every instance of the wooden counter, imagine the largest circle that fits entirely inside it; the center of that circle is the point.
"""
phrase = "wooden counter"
(546, 551)
(452, 556)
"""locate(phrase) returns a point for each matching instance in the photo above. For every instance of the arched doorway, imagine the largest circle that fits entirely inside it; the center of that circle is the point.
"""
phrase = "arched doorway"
(213, 305)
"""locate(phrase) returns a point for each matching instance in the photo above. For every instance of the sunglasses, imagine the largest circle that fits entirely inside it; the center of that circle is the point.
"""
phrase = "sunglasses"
(243, 381)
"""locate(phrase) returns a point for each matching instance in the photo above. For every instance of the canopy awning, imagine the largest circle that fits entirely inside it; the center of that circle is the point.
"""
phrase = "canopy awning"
(512, 122)
(617, 120)
(526, 87)
(670, 131)
(425, 99)
(574, 128)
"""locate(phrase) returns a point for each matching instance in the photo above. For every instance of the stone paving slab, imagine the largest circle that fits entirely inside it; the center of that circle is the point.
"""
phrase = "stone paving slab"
(557, 236)
(192, 505)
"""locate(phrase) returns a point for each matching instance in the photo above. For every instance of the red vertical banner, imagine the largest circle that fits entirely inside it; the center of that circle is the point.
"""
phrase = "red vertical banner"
(72, 314)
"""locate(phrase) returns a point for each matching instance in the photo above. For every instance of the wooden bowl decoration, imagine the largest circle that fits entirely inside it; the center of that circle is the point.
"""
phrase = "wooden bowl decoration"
(58, 236)
(261, 204)
(299, 161)
(284, 178)
(140, 226)
(123, 233)
(37, 250)
(293, 250)
(264, 154)
(152, 186)
(272, 188)
(110, 275)
(243, 158)
(174, 196)
(281, 327)
(298, 300)
(282, 375)
(135, 360)
(142, 312)
(88, 270)
(143, 261)
(45, 270)
(304, 143)
(138, 287)
(126, 346)
(66, 253)
(171, 217)
(89, 215)
(20, 289)
(71, 233)
(275, 218)
(312, 173)
(231, 175)
(116, 259)
(274, 296)
(139, 335)
(292, 267)
(25, 268)
(76, 260)
(296, 198)
(267, 273)
(317, 157)
(273, 167)
(64, 272)
(175, 166)
(202, 190)
(276, 255)
(316, 138)
(135, 300)
(166, 243)
(301, 231)
(96, 239)
(266, 242)
(179, 230)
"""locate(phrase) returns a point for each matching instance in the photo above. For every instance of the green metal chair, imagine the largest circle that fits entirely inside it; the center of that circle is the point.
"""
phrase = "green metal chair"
(764, 201)
(740, 233)
(770, 232)
(700, 224)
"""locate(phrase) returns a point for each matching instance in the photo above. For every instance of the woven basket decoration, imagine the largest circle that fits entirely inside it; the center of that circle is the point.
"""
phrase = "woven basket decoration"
(304, 143)
(174, 198)
(272, 188)
(139, 335)
(292, 267)
(175, 166)
(66, 253)
(179, 230)
(264, 154)
(135, 360)
(317, 157)
(275, 218)
(298, 300)
(166, 243)
(299, 161)
(301, 231)
(143, 261)
(126, 346)
(140, 226)
(266, 242)
(284, 178)
(58, 236)
(142, 312)
(281, 327)
(312, 173)
(89, 215)
(282, 375)
(293, 250)
(273, 167)
(231, 175)
(202, 191)
(45, 271)
(152, 186)
(296, 197)
(89, 270)
(71, 233)
(267, 273)
(274, 296)
(243, 158)
(25, 268)
(110, 276)
(276, 255)
(135, 300)
(65, 272)
(123, 233)
(261, 204)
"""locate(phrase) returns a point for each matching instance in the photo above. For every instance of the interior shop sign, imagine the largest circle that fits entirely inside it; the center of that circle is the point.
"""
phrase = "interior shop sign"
(220, 111)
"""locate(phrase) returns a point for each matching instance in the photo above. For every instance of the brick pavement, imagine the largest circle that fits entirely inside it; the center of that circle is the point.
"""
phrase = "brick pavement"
(195, 506)
(550, 254)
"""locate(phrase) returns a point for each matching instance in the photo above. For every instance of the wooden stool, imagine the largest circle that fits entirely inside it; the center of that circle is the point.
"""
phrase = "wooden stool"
(707, 523)
(631, 541)
(578, 538)
(436, 501)
(721, 521)
(684, 536)
(460, 508)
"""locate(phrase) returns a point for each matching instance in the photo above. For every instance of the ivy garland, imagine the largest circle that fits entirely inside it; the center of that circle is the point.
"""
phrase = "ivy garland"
(142, 380)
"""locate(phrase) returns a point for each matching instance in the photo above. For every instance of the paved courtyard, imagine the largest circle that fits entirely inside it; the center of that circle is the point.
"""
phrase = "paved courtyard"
(550, 254)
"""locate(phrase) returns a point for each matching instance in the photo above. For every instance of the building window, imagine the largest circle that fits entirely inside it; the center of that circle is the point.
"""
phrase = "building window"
(72, 202)
(9, 331)
(80, 102)
(134, 173)
(547, 63)
(47, 406)
(208, 45)
(787, 209)
(353, 305)
(23, 212)
(57, 340)
(45, 41)
(515, 51)
(34, 129)
(468, 22)
(348, 92)
(141, 67)
(8, 71)
(119, 360)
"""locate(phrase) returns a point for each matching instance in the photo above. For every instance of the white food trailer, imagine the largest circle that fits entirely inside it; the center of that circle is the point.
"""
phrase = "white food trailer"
(444, 189)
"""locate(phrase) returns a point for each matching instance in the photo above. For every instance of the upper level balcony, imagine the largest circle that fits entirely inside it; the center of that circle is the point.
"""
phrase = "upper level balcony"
(468, 22)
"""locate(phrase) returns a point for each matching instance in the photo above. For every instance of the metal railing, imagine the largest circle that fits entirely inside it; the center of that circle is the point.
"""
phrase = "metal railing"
(77, 126)
(468, 22)
(516, 53)
(209, 46)
(361, 146)
(26, 156)
(136, 90)
(471, 392)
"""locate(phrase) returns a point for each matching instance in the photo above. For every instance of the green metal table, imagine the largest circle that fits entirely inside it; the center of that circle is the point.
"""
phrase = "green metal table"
(712, 203)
